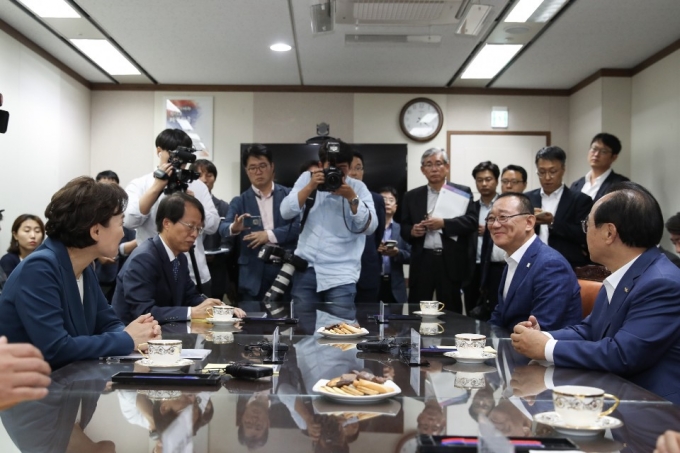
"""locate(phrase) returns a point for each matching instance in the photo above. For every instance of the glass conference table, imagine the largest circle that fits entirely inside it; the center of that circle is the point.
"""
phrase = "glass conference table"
(85, 412)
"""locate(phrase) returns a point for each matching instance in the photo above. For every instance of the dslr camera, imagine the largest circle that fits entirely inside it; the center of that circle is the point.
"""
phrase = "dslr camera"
(333, 175)
(180, 178)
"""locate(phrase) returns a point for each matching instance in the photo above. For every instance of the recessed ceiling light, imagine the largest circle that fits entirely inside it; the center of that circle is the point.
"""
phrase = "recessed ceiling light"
(105, 55)
(490, 60)
(523, 10)
(51, 8)
(280, 47)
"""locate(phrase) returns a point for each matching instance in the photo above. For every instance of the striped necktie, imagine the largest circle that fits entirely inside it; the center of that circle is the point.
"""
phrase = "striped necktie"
(175, 268)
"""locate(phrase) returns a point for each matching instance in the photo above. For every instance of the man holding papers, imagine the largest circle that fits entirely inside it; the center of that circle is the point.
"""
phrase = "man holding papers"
(439, 222)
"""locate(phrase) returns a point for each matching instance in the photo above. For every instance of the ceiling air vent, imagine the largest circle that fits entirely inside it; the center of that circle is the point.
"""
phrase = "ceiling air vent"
(398, 12)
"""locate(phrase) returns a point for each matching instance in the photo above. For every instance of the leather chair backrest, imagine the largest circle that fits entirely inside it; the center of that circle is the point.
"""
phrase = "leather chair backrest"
(589, 291)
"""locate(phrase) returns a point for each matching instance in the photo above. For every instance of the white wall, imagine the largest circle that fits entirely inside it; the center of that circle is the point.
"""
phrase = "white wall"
(585, 120)
(48, 139)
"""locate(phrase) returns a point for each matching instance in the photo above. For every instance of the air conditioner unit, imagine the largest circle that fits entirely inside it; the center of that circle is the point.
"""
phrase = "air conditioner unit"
(400, 12)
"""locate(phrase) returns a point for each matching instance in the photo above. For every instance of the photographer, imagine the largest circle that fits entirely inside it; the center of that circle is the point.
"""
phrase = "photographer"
(336, 219)
(146, 192)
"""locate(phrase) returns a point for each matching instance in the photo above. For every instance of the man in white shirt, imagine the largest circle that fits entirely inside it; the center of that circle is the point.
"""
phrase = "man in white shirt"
(146, 192)
(634, 329)
(604, 150)
(559, 210)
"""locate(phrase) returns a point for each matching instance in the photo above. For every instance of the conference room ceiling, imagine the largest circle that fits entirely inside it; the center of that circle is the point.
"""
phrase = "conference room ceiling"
(226, 42)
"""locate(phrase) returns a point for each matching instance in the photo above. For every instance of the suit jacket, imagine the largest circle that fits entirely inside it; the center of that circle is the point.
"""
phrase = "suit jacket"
(397, 264)
(251, 268)
(146, 285)
(566, 233)
(459, 255)
(637, 335)
(544, 286)
(613, 178)
(216, 240)
(8, 262)
(675, 259)
(371, 260)
(40, 304)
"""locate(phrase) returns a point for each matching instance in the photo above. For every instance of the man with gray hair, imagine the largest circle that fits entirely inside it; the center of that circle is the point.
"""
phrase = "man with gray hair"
(442, 248)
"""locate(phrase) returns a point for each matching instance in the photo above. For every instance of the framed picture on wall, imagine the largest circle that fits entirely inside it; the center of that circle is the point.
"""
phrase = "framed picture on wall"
(193, 115)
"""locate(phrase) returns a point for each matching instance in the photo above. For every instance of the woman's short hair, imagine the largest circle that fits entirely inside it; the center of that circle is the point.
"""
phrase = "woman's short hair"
(13, 243)
(78, 206)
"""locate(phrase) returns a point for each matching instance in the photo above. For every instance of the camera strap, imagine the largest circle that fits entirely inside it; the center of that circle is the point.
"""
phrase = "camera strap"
(194, 265)
(309, 203)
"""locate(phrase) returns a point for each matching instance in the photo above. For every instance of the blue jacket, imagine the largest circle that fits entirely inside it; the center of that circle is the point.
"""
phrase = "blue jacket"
(544, 286)
(146, 285)
(251, 268)
(637, 335)
(40, 304)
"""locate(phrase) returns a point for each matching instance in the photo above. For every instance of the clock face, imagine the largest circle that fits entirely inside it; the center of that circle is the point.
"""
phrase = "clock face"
(421, 119)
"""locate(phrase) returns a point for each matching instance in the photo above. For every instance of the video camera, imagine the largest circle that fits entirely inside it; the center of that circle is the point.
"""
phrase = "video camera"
(4, 118)
(291, 263)
(180, 178)
(333, 176)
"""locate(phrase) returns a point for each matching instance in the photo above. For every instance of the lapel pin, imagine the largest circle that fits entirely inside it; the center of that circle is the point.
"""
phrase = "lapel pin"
(625, 289)
(528, 264)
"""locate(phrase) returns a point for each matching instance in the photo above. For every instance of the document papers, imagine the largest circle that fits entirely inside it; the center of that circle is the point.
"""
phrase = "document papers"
(451, 203)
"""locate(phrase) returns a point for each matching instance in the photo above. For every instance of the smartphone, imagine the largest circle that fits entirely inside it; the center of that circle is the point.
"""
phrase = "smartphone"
(390, 244)
(252, 222)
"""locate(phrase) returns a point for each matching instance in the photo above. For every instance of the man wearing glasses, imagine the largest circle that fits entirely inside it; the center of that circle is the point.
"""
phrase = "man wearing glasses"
(559, 210)
(604, 150)
(146, 192)
(513, 179)
(261, 201)
(537, 279)
(155, 278)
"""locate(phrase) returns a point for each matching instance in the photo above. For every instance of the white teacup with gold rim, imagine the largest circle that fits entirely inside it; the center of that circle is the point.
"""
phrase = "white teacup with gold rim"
(431, 307)
(221, 312)
(164, 352)
(470, 344)
(581, 406)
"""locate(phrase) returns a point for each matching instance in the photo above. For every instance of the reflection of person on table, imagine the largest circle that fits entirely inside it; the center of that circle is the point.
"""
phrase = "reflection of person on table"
(482, 402)
(53, 299)
(253, 420)
(440, 393)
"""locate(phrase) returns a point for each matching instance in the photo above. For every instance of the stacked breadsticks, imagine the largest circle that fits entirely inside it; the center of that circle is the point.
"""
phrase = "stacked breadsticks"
(343, 329)
(355, 385)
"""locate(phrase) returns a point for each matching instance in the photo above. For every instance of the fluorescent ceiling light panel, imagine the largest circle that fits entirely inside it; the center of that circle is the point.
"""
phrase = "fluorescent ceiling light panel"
(51, 8)
(490, 60)
(523, 10)
(106, 56)
(280, 47)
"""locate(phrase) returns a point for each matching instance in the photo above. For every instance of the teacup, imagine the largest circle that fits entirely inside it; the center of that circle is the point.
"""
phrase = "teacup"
(581, 406)
(431, 307)
(430, 328)
(164, 352)
(220, 337)
(470, 344)
(466, 380)
(221, 312)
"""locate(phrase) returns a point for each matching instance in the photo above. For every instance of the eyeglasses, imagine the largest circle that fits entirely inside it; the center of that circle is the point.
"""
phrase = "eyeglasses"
(191, 227)
(490, 220)
(543, 174)
(600, 151)
(358, 168)
(584, 225)
(513, 182)
(481, 180)
(438, 164)
(254, 168)
(389, 200)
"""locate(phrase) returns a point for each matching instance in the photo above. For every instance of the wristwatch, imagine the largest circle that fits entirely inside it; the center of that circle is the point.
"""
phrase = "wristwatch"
(354, 201)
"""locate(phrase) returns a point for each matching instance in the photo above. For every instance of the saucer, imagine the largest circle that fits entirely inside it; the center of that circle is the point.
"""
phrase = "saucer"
(553, 420)
(181, 363)
(469, 368)
(467, 359)
(429, 315)
(223, 322)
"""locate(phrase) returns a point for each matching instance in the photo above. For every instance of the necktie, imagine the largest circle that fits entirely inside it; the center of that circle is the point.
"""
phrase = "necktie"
(175, 268)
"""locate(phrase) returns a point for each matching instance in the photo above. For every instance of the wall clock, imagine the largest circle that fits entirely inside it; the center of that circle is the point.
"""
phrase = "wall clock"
(421, 119)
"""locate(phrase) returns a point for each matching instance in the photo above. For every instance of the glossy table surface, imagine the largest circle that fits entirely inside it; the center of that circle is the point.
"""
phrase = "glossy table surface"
(85, 412)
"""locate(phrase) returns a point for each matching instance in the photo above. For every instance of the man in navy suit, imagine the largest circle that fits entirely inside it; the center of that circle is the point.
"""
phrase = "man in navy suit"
(634, 329)
(558, 210)
(394, 256)
(263, 200)
(604, 150)
(155, 279)
(537, 280)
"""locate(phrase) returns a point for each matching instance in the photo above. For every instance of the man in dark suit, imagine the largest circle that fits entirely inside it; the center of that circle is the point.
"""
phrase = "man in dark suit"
(559, 211)
(155, 279)
(393, 256)
(604, 150)
(263, 200)
(442, 249)
(368, 285)
(634, 329)
(537, 280)
(673, 228)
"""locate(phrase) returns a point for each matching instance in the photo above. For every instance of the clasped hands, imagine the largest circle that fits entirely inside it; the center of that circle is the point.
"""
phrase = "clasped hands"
(429, 224)
(528, 340)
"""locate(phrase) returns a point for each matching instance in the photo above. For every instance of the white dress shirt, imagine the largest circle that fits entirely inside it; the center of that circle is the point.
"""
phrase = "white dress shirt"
(592, 189)
(513, 261)
(549, 204)
(433, 238)
(610, 283)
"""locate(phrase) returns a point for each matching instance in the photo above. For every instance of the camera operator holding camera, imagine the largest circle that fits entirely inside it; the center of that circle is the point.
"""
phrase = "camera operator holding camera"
(337, 214)
(146, 192)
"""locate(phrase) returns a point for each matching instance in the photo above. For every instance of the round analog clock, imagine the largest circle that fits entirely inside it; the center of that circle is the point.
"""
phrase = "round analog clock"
(421, 119)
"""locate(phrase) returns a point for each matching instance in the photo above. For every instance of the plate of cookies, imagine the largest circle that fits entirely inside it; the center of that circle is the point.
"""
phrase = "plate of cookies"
(342, 330)
(354, 388)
